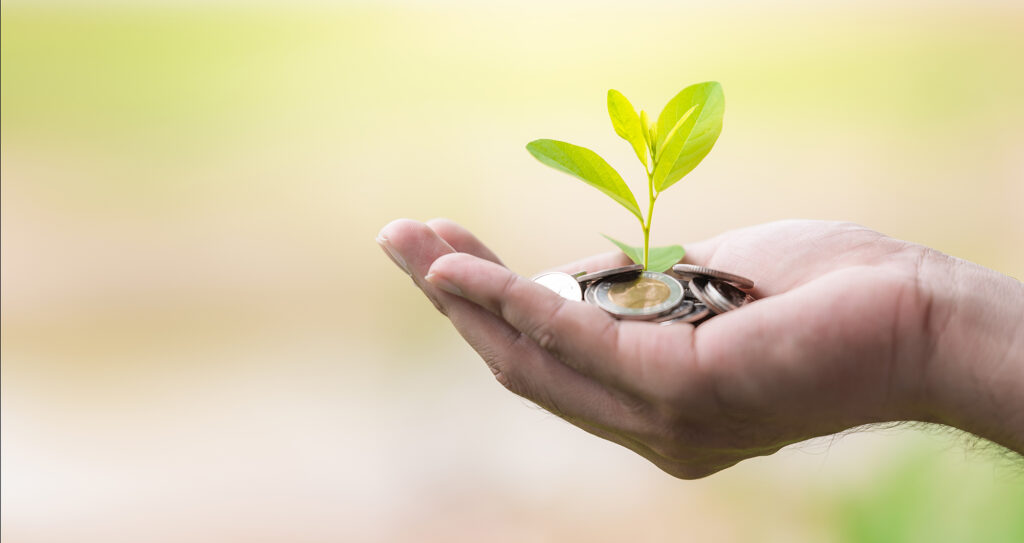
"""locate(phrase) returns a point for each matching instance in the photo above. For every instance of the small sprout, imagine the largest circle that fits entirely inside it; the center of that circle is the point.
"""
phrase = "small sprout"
(668, 149)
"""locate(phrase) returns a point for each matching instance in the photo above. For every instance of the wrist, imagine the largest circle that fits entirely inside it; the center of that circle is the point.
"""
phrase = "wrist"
(973, 378)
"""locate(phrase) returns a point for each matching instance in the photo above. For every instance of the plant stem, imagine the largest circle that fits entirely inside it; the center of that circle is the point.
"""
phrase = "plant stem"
(650, 215)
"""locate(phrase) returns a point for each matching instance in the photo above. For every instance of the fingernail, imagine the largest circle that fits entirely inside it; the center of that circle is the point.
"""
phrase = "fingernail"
(393, 254)
(443, 284)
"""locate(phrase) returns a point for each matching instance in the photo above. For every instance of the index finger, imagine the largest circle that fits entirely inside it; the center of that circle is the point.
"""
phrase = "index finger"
(579, 334)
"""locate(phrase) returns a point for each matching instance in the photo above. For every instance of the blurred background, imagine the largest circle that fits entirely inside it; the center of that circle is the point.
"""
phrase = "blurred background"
(202, 342)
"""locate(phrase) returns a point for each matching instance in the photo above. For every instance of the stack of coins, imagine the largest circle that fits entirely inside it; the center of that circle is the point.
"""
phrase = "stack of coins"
(691, 294)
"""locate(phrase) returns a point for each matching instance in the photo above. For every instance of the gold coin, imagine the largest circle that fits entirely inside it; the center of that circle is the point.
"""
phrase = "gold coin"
(640, 293)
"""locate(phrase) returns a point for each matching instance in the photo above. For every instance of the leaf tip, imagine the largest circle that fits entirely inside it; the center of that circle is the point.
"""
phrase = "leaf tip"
(535, 146)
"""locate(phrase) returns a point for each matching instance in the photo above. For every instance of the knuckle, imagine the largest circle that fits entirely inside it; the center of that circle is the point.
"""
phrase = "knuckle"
(505, 292)
(496, 363)
(543, 333)
(544, 337)
(503, 377)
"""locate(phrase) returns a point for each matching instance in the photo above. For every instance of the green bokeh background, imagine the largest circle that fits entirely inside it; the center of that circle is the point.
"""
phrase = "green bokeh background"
(202, 342)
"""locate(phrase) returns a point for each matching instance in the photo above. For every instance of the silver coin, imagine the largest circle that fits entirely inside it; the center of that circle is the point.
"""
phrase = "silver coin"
(689, 271)
(697, 288)
(643, 298)
(725, 295)
(590, 294)
(626, 273)
(562, 284)
(698, 312)
(685, 307)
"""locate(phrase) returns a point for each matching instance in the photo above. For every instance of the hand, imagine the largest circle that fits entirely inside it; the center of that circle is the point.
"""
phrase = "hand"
(849, 329)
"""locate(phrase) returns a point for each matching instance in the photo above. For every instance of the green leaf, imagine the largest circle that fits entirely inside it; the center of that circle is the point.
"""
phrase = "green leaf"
(675, 140)
(706, 122)
(648, 131)
(659, 259)
(636, 254)
(627, 123)
(663, 258)
(588, 166)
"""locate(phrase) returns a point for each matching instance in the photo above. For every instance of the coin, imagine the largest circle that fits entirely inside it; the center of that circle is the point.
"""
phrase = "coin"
(718, 295)
(725, 295)
(697, 312)
(696, 286)
(642, 298)
(562, 284)
(626, 272)
(689, 271)
(627, 292)
(589, 295)
(683, 308)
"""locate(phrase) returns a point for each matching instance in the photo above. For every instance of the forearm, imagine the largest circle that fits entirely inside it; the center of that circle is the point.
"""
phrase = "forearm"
(974, 377)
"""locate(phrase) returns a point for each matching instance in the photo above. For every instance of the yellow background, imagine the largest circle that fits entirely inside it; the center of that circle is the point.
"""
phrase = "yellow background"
(202, 342)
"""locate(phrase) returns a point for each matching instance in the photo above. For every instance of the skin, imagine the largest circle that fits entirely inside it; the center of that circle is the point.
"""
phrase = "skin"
(850, 328)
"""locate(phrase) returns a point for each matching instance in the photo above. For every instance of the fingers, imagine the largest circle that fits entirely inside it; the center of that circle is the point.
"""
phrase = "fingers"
(590, 264)
(517, 362)
(579, 334)
(465, 242)
(700, 252)
(462, 240)
(608, 377)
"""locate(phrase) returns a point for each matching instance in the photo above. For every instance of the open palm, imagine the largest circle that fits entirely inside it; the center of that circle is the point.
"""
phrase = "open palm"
(836, 339)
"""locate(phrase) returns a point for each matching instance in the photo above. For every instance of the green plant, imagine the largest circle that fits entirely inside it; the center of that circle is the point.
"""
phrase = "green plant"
(670, 148)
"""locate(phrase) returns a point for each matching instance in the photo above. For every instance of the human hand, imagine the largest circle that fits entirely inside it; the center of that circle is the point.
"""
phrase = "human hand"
(851, 328)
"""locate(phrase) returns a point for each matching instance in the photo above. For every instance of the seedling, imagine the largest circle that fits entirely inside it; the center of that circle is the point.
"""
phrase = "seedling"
(670, 148)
